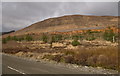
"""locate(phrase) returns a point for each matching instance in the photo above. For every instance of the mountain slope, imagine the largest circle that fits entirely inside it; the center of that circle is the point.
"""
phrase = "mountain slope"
(69, 22)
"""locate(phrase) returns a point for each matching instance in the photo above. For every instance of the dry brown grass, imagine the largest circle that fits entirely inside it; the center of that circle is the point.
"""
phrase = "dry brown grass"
(103, 57)
(99, 57)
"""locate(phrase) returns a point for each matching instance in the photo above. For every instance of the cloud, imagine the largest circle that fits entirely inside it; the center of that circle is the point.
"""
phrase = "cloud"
(60, 0)
(17, 15)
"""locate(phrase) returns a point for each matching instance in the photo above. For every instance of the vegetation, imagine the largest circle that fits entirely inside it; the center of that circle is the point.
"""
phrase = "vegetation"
(89, 32)
(18, 38)
(75, 37)
(15, 38)
(8, 38)
(28, 38)
(90, 38)
(102, 57)
(45, 38)
(56, 38)
(51, 38)
(4, 41)
(109, 35)
(75, 43)
(93, 57)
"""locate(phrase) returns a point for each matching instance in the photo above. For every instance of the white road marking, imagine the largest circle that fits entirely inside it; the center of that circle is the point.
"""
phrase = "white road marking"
(15, 70)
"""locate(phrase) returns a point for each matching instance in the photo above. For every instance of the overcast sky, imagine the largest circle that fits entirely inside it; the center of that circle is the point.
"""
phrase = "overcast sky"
(17, 15)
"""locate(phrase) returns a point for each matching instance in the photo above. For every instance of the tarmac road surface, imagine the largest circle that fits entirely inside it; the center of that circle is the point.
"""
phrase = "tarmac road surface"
(16, 65)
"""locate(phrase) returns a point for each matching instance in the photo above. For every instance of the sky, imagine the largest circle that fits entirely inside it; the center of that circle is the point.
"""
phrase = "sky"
(17, 15)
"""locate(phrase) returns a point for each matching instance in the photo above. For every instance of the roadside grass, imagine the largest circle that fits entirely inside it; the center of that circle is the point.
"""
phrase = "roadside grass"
(99, 57)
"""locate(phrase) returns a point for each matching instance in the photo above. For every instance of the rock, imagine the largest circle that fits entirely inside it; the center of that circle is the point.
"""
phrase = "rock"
(44, 45)
(57, 54)
(58, 45)
(68, 41)
(114, 44)
(19, 54)
(29, 54)
(71, 47)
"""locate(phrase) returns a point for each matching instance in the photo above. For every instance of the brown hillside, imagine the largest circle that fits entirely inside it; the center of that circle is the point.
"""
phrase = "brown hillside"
(69, 22)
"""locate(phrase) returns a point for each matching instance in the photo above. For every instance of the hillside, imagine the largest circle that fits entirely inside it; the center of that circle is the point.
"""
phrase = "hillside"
(3, 33)
(68, 22)
(74, 39)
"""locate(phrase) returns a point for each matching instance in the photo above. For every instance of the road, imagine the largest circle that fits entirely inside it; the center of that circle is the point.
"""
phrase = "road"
(16, 65)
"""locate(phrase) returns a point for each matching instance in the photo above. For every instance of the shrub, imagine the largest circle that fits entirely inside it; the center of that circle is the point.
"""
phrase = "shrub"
(48, 57)
(45, 38)
(14, 38)
(68, 52)
(75, 37)
(28, 38)
(80, 36)
(90, 38)
(53, 39)
(69, 59)
(91, 61)
(81, 58)
(56, 38)
(57, 58)
(8, 38)
(75, 43)
(108, 35)
(4, 41)
(20, 38)
(89, 31)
